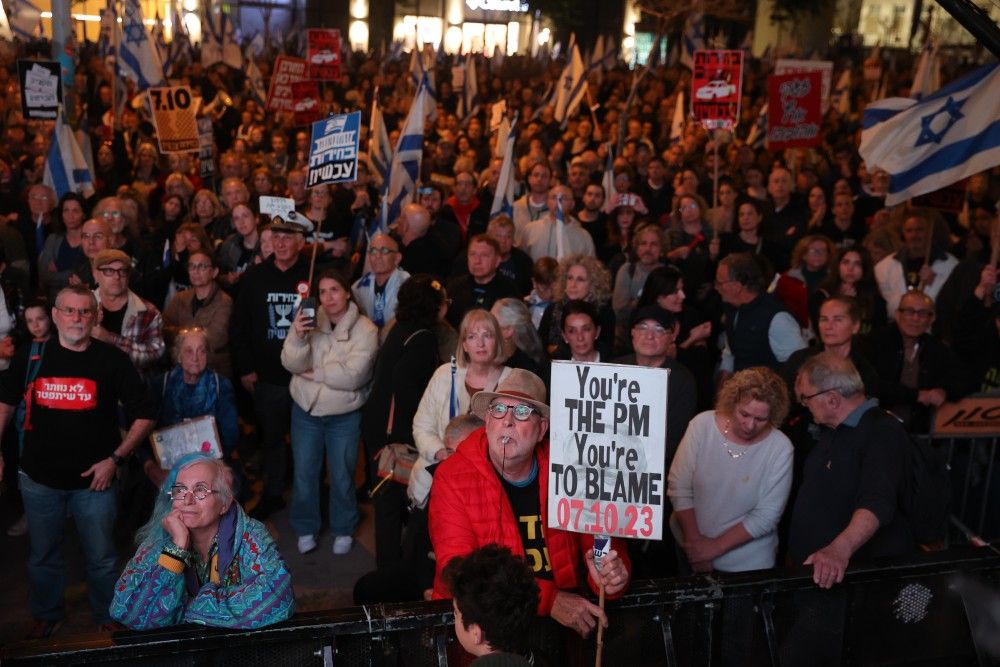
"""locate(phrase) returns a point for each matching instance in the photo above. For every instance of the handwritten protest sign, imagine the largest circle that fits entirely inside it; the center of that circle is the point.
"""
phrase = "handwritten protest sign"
(323, 54)
(607, 449)
(194, 435)
(287, 71)
(282, 207)
(41, 89)
(824, 67)
(716, 87)
(333, 155)
(793, 113)
(173, 116)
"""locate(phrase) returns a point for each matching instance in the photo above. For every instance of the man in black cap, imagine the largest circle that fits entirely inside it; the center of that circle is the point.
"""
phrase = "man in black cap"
(654, 336)
(269, 296)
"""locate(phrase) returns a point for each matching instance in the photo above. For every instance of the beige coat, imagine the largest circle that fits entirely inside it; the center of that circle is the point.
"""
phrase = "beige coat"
(340, 360)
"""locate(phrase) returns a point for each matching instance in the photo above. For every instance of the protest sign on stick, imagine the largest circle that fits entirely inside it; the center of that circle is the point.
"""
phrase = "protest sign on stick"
(716, 88)
(173, 116)
(287, 71)
(607, 449)
(333, 153)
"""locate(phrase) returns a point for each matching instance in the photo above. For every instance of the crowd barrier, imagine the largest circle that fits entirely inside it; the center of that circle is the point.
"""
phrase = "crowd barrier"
(934, 610)
(939, 609)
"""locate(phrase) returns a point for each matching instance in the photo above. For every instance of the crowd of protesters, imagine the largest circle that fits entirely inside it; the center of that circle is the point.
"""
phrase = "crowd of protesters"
(782, 258)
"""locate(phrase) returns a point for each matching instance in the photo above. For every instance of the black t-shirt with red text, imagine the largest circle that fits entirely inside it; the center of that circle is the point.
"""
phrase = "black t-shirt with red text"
(71, 421)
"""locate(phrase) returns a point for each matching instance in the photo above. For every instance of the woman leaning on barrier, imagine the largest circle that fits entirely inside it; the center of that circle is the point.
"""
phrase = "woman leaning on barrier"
(202, 560)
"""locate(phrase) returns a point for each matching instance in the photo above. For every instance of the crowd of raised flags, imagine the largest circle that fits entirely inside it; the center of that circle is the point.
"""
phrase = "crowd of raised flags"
(925, 141)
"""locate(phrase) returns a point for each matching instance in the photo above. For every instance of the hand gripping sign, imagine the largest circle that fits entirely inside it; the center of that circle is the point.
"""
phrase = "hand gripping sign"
(607, 449)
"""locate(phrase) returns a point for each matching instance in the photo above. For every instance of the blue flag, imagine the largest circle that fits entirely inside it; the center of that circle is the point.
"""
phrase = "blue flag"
(139, 60)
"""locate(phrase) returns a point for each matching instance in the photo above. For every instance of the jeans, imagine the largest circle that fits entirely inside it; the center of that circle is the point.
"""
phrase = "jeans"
(94, 513)
(272, 403)
(337, 436)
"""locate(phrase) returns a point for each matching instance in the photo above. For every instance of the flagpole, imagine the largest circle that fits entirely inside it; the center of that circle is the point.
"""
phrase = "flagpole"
(715, 183)
(115, 120)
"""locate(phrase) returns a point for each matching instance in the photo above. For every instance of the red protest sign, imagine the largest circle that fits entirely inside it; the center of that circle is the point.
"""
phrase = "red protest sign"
(716, 87)
(794, 111)
(287, 71)
(307, 98)
(323, 54)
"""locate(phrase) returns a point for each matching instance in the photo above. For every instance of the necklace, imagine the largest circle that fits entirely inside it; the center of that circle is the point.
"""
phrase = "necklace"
(725, 443)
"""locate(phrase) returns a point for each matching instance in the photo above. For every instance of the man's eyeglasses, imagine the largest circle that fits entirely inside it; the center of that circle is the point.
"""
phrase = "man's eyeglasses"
(803, 399)
(385, 250)
(109, 272)
(521, 411)
(915, 312)
(180, 492)
(656, 329)
(111, 214)
(69, 311)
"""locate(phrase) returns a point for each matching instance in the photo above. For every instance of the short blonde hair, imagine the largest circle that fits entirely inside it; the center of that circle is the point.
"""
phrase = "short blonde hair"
(217, 209)
(755, 384)
(471, 319)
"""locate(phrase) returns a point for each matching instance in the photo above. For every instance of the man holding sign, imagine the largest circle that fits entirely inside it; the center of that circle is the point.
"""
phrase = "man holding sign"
(494, 489)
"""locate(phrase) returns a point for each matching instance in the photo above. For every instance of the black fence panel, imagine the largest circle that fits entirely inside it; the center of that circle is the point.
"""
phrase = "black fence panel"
(921, 612)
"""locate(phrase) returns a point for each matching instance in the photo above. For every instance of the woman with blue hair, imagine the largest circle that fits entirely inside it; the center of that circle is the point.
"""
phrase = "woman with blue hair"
(201, 559)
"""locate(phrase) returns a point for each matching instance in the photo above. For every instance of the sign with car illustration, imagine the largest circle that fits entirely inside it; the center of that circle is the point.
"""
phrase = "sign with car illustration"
(716, 87)
(323, 54)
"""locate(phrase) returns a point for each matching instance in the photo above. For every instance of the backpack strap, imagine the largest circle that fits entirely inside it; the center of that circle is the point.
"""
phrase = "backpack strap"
(34, 365)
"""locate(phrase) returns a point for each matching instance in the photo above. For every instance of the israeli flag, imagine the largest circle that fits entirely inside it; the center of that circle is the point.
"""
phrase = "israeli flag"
(25, 19)
(693, 38)
(404, 170)
(468, 103)
(138, 59)
(608, 181)
(928, 144)
(758, 131)
(379, 148)
(65, 166)
(571, 87)
(503, 199)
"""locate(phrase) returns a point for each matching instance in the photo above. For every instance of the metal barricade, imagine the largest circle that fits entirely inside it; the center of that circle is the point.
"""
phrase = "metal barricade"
(896, 614)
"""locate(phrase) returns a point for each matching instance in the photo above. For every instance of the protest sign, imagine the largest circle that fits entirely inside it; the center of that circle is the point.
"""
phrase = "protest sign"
(333, 153)
(41, 89)
(323, 54)
(206, 149)
(172, 443)
(607, 449)
(287, 70)
(793, 112)
(976, 416)
(173, 117)
(824, 67)
(306, 97)
(716, 87)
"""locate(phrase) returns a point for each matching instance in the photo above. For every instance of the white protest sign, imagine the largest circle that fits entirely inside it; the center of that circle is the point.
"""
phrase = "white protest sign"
(281, 207)
(607, 449)
(792, 66)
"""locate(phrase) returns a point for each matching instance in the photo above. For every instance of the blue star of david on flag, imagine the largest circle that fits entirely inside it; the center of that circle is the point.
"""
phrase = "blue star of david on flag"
(951, 109)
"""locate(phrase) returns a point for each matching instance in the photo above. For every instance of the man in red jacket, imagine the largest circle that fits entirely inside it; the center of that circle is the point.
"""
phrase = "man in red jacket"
(494, 489)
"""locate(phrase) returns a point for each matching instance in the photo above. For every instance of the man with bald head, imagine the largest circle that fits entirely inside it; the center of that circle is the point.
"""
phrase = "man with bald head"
(420, 253)
(557, 234)
(375, 292)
